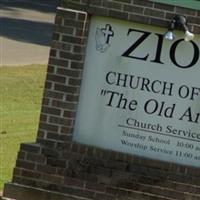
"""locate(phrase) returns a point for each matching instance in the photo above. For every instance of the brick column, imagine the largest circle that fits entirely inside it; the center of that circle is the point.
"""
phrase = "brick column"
(63, 77)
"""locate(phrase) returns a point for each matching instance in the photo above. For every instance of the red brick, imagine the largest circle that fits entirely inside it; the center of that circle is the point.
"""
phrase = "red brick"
(69, 114)
(56, 78)
(46, 169)
(73, 23)
(159, 22)
(77, 65)
(53, 52)
(50, 69)
(50, 152)
(57, 136)
(100, 196)
(21, 155)
(48, 85)
(50, 110)
(61, 163)
(53, 179)
(24, 181)
(30, 174)
(66, 130)
(17, 171)
(154, 13)
(70, 56)
(41, 134)
(139, 18)
(78, 49)
(25, 165)
(79, 192)
(133, 9)
(68, 72)
(82, 17)
(75, 182)
(66, 14)
(74, 82)
(196, 29)
(98, 11)
(58, 19)
(37, 158)
(64, 146)
(45, 101)
(48, 127)
(66, 89)
(74, 5)
(193, 20)
(58, 62)
(43, 118)
(96, 3)
(61, 46)
(64, 30)
(60, 121)
(82, 33)
(112, 5)
(71, 39)
(53, 95)
(30, 148)
(96, 187)
(117, 14)
(72, 98)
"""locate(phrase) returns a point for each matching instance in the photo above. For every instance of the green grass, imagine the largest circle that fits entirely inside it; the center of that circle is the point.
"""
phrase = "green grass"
(21, 90)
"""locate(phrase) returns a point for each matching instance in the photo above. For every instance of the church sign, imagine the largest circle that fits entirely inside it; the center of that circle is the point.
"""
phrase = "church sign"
(140, 93)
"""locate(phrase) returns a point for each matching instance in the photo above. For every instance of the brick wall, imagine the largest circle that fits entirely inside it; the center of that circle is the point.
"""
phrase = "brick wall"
(77, 171)
(57, 168)
(63, 77)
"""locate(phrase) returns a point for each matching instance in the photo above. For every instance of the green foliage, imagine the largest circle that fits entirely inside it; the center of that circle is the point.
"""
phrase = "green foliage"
(21, 91)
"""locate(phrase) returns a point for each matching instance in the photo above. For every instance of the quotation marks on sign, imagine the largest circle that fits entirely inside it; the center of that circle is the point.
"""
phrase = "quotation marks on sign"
(118, 100)
(103, 92)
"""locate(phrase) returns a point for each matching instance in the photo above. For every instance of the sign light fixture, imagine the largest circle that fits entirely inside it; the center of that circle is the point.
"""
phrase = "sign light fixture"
(179, 21)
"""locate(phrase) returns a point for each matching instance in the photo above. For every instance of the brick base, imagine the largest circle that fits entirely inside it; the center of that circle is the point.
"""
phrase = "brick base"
(22, 192)
(75, 171)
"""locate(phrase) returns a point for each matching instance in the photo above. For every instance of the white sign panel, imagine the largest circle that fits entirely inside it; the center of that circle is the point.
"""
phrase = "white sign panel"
(140, 93)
